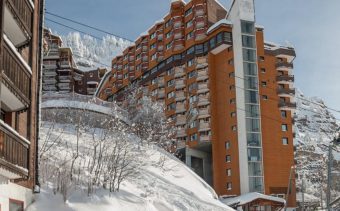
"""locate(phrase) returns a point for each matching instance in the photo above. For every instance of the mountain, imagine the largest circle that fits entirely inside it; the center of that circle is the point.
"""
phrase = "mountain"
(90, 53)
(315, 127)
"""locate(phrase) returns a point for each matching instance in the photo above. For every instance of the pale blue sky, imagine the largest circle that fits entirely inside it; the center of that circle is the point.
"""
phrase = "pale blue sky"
(312, 26)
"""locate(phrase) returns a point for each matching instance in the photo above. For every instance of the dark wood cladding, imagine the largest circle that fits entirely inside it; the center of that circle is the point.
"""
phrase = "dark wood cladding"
(281, 51)
(23, 10)
(14, 152)
(289, 78)
(15, 74)
(284, 64)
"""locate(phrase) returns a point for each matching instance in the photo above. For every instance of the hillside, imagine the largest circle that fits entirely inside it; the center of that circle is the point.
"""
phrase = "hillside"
(153, 179)
(315, 126)
(90, 52)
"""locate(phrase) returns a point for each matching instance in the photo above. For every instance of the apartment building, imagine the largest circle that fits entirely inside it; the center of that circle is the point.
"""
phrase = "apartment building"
(19, 94)
(60, 72)
(229, 93)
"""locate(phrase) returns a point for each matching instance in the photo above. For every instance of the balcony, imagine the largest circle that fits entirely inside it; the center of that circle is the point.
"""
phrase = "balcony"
(288, 53)
(204, 126)
(65, 79)
(179, 96)
(14, 153)
(200, 24)
(180, 107)
(202, 75)
(287, 106)
(286, 92)
(202, 88)
(49, 64)
(285, 79)
(49, 80)
(178, 36)
(179, 84)
(161, 94)
(205, 138)
(181, 133)
(203, 113)
(181, 120)
(284, 66)
(204, 100)
(179, 72)
(160, 37)
(18, 16)
(49, 87)
(16, 78)
(65, 64)
(200, 34)
(51, 55)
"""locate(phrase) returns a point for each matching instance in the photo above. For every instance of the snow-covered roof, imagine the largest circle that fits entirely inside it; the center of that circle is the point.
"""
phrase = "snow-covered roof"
(219, 23)
(273, 46)
(173, 1)
(249, 197)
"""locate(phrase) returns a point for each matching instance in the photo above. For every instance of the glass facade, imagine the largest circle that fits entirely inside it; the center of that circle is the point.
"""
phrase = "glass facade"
(253, 121)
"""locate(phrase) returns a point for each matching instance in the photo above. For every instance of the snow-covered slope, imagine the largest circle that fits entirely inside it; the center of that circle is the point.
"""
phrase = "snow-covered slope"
(90, 52)
(315, 127)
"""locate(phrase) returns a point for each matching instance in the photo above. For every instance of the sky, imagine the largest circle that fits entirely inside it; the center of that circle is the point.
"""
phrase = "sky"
(311, 26)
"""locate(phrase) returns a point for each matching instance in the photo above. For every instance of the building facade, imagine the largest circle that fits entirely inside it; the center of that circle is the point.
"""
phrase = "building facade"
(229, 93)
(20, 24)
(60, 72)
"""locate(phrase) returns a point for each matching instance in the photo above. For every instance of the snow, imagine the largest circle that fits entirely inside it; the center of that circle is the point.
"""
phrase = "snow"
(249, 197)
(2, 123)
(171, 187)
(219, 23)
(90, 53)
(14, 49)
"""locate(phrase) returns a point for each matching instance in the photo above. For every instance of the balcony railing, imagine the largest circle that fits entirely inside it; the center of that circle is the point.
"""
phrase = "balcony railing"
(285, 65)
(16, 76)
(14, 152)
(285, 78)
(288, 105)
(23, 11)
(181, 120)
(205, 138)
(204, 126)
(285, 91)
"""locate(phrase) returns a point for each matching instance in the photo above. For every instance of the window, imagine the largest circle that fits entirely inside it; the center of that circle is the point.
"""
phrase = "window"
(126, 76)
(252, 110)
(138, 56)
(250, 68)
(227, 145)
(168, 35)
(16, 205)
(229, 186)
(284, 114)
(190, 62)
(253, 125)
(193, 124)
(154, 56)
(247, 27)
(193, 137)
(191, 50)
(153, 35)
(193, 99)
(284, 127)
(228, 158)
(231, 75)
(263, 84)
(171, 82)
(255, 169)
(171, 106)
(219, 38)
(188, 24)
(228, 172)
(234, 128)
(190, 35)
(231, 62)
(232, 101)
(263, 70)
(233, 114)
(169, 45)
(168, 23)
(188, 11)
(212, 43)
(171, 94)
(231, 87)
(264, 97)
(253, 139)
(248, 41)
(251, 82)
(153, 46)
(170, 71)
(285, 141)
(249, 55)
(261, 58)
(254, 154)
(192, 74)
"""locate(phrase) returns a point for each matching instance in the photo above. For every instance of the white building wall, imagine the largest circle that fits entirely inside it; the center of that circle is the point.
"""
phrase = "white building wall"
(10, 190)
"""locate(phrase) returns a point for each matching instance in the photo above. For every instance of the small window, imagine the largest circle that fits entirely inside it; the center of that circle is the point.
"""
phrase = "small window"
(188, 24)
(231, 61)
(154, 56)
(233, 114)
(263, 70)
(171, 94)
(284, 127)
(227, 145)
(232, 87)
(190, 62)
(234, 128)
(261, 58)
(229, 186)
(193, 137)
(171, 82)
(231, 75)
(285, 141)
(228, 172)
(264, 97)
(232, 101)
(284, 114)
(228, 158)
(188, 11)
(263, 83)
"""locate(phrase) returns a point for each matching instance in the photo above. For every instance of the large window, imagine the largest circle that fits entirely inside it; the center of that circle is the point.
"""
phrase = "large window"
(251, 97)
(250, 68)
(249, 55)
(251, 83)
(253, 125)
(255, 169)
(248, 41)
(254, 154)
(252, 110)
(255, 184)
(247, 27)
(15, 205)
(253, 139)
